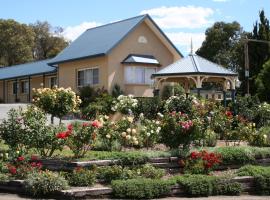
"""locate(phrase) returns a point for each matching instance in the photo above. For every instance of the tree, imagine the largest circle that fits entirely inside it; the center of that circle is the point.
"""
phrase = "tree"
(17, 41)
(263, 82)
(48, 40)
(220, 44)
(259, 53)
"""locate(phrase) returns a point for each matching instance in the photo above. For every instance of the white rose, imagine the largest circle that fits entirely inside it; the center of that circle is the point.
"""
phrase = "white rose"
(134, 131)
(124, 134)
(148, 134)
(108, 136)
(129, 130)
(128, 137)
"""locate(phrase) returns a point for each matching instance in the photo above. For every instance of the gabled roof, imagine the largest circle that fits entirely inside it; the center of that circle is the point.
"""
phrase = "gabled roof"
(27, 69)
(100, 40)
(141, 59)
(194, 64)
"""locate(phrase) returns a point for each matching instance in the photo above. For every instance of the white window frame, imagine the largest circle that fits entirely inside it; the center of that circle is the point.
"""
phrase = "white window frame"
(22, 91)
(137, 83)
(85, 69)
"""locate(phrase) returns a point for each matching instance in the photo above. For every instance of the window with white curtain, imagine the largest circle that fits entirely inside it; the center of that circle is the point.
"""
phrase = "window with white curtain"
(87, 77)
(139, 75)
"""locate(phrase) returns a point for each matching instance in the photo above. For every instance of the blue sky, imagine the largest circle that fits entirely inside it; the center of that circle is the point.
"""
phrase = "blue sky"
(179, 19)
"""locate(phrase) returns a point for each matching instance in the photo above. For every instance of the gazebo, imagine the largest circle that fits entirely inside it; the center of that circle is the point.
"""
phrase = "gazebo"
(192, 71)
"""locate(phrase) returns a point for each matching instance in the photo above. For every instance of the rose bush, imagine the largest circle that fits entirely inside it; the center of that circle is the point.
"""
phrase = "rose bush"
(56, 101)
(125, 104)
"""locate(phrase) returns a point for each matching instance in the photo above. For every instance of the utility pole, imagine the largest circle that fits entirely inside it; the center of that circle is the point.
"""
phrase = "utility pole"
(246, 40)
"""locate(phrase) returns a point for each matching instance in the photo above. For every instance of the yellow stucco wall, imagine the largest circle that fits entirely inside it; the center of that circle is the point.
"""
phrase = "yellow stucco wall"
(67, 72)
(130, 45)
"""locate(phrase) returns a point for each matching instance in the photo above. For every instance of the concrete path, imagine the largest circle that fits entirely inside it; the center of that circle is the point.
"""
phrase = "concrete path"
(5, 196)
(4, 108)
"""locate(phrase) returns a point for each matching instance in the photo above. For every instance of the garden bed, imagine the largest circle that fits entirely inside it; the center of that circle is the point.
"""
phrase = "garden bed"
(101, 191)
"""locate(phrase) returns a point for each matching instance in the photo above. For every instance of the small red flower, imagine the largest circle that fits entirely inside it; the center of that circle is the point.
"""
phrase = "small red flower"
(20, 158)
(85, 124)
(70, 127)
(34, 157)
(229, 114)
(96, 124)
(39, 165)
(33, 164)
(12, 170)
(62, 135)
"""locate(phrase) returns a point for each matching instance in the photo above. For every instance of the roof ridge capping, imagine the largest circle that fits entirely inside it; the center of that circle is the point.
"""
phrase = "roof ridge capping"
(115, 22)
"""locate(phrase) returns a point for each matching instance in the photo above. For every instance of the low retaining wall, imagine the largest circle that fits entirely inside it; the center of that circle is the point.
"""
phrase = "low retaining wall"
(100, 191)
(169, 163)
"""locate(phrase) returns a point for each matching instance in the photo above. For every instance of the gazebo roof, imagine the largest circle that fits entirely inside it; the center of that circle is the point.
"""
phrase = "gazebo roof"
(194, 65)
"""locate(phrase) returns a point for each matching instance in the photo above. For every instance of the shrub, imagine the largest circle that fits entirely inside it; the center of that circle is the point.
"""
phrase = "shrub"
(262, 183)
(197, 185)
(261, 138)
(116, 91)
(227, 188)
(178, 128)
(87, 95)
(109, 173)
(210, 139)
(81, 177)
(141, 188)
(3, 177)
(170, 90)
(252, 170)
(149, 171)
(125, 104)
(56, 101)
(236, 155)
(80, 136)
(45, 182)
(149, 106)
(179, 104)
(201, 162)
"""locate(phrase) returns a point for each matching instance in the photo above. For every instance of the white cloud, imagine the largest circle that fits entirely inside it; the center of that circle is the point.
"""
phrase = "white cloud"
(72, 32)
(181, 17)
(183, 39)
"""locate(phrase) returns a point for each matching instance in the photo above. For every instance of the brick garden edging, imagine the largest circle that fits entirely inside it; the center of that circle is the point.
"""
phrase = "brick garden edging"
(100, 191)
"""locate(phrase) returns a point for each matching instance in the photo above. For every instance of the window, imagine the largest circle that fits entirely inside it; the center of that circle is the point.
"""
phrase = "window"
(53, 82)
(139, 75)
(24, 87)
(88, 77)
(15, 87)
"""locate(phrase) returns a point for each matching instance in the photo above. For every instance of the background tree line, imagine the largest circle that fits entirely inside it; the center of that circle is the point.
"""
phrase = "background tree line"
(20, 43)
(224, 44)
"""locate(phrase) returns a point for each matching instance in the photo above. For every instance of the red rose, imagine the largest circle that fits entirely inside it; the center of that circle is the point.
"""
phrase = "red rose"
(39, 165)
(85, 124)
(96, 124)
(34, 157)
(12, 170)
(20, 158)
(70, 127)
(62, 135)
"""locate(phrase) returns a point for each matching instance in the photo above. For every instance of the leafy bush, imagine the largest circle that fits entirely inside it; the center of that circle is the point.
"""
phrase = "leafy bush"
(100, 106)
(197, 185)
(179, 104)
(203, 185)
(45, 182)
(56, 101)
(141, 188)
(252, 170)
(3, 177)
(116, 91)
(170, 90)
(87, 95)
(116, 172)
(227, 188)
(125, 104)
(236, 155)
(261, 138)
(80, 136)
(178, 128)
(262, 183)
(81, 177)
(201, 162)
(149, 107)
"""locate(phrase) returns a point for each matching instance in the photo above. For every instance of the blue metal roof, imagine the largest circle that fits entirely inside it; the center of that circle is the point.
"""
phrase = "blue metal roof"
(27, 69)
(100, 40)
(146, 59)
(194, 64)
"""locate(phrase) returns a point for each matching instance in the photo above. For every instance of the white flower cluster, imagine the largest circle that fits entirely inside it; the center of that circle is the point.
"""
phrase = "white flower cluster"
(151, 127)
(125, 103)
(170, 100)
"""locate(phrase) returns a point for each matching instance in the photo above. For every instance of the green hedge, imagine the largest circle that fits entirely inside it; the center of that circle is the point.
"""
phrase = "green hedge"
(141, 188)
(253, 170)
(203, 186)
